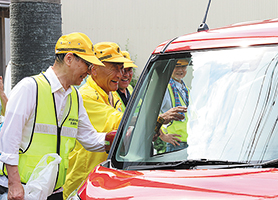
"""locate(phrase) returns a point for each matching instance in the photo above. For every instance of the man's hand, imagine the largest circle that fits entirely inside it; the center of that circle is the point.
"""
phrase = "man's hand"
(16, 190)
(170, 138)
(109, 138)
(173, 114)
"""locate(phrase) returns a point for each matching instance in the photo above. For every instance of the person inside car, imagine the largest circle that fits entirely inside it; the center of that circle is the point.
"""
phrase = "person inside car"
(177, 94)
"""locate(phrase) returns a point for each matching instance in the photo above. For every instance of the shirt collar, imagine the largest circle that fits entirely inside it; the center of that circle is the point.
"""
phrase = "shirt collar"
(178, 84)
(54, 81)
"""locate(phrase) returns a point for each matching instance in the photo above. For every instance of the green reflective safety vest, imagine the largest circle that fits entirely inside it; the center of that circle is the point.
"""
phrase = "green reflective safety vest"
(130, 89)
(123, 107)
(47, 136)
(178, 127)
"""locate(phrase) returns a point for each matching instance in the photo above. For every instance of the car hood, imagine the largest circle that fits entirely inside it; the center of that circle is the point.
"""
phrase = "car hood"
(251, 183)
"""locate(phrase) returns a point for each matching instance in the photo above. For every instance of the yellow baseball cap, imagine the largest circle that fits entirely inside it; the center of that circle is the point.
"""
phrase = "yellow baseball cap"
(182, 63)
(109, 52)
(80, 44)
(127, 56)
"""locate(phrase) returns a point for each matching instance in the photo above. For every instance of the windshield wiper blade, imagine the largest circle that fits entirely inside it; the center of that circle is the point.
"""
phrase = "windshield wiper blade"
(270, 163)
(185, 164)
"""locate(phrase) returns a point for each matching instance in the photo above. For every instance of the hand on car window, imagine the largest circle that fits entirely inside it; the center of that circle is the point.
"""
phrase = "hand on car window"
(173, 114)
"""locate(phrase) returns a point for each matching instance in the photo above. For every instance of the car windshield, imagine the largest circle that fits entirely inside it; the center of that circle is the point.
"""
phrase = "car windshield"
(232, 110)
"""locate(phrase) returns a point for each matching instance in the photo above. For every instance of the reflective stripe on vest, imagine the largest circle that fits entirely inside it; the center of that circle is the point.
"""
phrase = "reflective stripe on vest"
(178, 127)
(130, 89)
(47, 136)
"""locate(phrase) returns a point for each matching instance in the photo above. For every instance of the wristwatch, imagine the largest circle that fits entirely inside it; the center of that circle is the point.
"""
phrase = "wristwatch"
(158, 125)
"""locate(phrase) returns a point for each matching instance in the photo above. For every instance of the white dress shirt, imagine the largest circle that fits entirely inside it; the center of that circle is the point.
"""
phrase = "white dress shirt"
(19, 120)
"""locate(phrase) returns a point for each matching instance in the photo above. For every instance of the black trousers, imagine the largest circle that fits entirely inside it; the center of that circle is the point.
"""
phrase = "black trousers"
(3, 189)
(56, 196)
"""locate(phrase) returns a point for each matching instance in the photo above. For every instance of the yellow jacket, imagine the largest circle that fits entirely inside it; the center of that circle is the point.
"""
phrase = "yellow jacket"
(104, 118)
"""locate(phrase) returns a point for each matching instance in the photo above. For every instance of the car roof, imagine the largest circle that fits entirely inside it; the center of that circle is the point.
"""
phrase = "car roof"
(241, 34)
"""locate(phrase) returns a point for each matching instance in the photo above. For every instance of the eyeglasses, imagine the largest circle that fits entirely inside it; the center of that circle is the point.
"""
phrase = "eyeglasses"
(89, 65)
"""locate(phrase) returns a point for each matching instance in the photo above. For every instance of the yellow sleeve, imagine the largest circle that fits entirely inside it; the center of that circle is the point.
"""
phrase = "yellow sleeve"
(104, 117)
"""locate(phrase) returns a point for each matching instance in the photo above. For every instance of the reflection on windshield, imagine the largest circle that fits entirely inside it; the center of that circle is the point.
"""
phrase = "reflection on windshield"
(232, 109)
(232, 113)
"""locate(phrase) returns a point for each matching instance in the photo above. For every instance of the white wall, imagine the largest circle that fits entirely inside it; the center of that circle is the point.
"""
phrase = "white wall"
(140, 25)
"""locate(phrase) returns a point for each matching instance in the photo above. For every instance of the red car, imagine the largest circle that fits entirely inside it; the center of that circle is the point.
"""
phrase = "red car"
(232, 152)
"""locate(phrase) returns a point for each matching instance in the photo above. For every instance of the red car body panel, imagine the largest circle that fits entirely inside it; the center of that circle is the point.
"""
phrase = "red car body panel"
(242, 183)
(105, 183)
(265, 32)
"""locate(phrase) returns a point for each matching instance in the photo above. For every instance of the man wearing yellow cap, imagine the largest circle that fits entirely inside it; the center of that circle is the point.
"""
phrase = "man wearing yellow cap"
(103, 107)
(125, 89)
(177, 94)
(45, 114)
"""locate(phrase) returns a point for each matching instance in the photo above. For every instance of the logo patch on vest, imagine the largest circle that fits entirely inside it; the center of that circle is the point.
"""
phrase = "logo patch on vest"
(73, 121)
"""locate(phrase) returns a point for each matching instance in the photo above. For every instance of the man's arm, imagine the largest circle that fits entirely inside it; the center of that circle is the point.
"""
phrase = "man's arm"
(19, 110)
(3, 97)
(173, 114)
(16, 191)
(165, 118)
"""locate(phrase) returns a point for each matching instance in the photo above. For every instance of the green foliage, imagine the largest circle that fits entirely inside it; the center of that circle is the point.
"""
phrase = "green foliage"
(126, 45)
(134, 78)
(160, 145)
(133, 81)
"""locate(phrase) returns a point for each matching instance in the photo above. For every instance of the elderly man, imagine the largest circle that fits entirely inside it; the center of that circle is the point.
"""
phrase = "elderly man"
(125, 89)
(45, 114)
(103, 108)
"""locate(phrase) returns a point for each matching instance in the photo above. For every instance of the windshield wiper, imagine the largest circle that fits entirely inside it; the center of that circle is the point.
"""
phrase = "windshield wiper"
(271, 163)
(185, 164)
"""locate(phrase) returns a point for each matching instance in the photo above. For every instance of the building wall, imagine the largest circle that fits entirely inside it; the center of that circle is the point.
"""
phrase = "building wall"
(140, 25)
